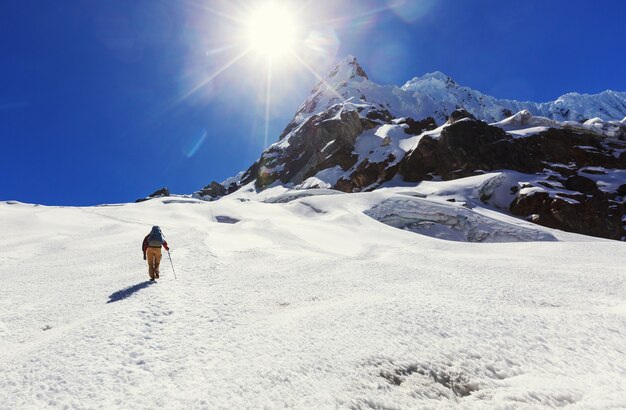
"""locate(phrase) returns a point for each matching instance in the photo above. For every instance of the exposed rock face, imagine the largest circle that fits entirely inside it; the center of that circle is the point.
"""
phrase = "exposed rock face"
(368, 175)
(463, 148)
(163, 192)
(470, 146)
(214, 190)
(596, 215)
(323, 141)
(418, 127)
(581, 184)
(459, 115)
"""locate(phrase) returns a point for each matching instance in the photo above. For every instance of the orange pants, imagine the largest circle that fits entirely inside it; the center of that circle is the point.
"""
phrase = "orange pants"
(153, 256)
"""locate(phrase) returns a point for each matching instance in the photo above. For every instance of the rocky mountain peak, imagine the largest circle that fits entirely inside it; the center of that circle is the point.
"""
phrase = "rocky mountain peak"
(342, 83)
(347, 69)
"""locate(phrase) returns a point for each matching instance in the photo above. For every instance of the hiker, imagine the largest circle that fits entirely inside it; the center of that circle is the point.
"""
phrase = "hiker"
(152, 251)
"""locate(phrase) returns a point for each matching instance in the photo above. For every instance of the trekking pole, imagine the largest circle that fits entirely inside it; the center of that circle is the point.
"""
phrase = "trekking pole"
(170, 256)
(211, 210)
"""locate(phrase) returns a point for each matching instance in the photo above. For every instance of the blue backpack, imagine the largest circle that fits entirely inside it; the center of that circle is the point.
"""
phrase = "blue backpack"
(156, 237)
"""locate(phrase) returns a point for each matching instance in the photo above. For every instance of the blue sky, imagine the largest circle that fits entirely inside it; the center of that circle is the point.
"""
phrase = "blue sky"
(95, 101)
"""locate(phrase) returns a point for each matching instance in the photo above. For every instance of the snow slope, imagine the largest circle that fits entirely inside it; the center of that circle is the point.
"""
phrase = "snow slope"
(299, 299)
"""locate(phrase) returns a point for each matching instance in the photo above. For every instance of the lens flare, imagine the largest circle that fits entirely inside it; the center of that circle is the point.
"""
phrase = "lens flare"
(411, 10)
(194, 144)
(321, 47)
(271, 30)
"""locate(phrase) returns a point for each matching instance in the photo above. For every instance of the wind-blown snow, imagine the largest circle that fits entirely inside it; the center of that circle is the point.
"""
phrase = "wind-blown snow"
(302, 301)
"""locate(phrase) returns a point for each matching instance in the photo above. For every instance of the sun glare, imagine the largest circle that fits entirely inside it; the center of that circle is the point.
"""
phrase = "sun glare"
(275, 31)
(271, 30)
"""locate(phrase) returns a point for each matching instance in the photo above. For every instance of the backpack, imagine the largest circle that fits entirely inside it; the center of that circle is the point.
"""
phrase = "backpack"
(155, 239)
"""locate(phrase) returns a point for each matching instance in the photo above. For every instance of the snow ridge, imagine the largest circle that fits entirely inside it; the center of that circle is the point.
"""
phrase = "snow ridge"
(437, 95)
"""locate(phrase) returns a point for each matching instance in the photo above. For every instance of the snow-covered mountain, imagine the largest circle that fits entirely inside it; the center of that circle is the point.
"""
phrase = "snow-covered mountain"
(437, 95)
(347, 112)
(354, 135)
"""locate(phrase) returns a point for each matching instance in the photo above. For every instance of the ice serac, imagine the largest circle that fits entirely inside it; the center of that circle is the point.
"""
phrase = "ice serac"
(354, 135)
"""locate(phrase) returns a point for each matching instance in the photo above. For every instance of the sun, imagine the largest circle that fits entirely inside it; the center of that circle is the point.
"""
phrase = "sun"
(271, 30)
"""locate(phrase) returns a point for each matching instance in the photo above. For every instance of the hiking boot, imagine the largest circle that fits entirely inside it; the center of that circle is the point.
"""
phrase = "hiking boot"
(151, 279)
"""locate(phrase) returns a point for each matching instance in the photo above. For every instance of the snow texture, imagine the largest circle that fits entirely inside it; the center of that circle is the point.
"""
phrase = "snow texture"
(307, 302)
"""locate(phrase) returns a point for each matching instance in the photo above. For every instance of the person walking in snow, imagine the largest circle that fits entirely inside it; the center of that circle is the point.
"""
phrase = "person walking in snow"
(151, 248)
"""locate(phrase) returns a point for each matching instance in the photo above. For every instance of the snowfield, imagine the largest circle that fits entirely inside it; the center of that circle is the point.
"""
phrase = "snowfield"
(304, 299)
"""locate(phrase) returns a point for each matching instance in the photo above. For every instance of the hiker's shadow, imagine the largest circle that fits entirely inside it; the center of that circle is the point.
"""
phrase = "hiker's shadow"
(129, 291)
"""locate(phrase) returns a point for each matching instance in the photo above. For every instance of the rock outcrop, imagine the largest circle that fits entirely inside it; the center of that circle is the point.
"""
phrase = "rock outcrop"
(213, 190)
(160, 193)
(599, 214)
(470, 146)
